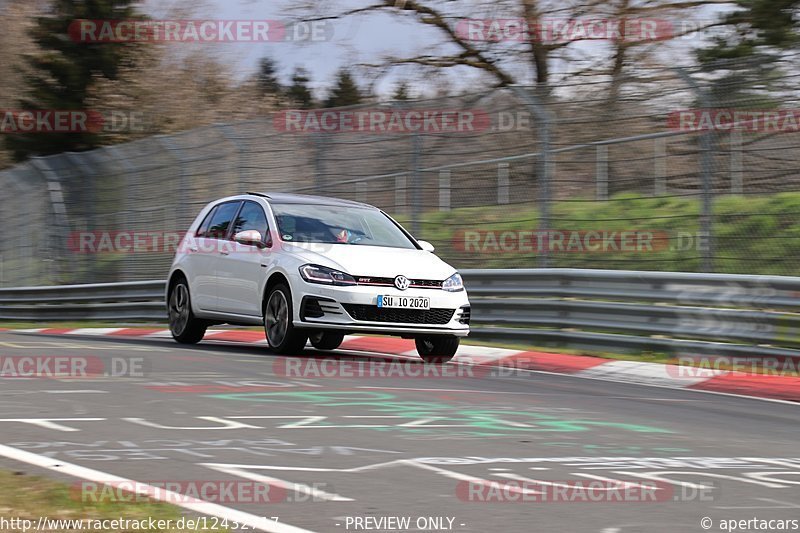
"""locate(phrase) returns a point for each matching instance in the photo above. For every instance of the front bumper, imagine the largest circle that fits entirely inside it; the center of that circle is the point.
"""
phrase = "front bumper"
(355, 309)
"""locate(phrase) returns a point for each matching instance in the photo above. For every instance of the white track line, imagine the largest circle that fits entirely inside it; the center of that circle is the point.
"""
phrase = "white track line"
(93, 331)
(198, 506)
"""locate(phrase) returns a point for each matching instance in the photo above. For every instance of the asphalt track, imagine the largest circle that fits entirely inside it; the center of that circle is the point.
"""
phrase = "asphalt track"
(337, 449)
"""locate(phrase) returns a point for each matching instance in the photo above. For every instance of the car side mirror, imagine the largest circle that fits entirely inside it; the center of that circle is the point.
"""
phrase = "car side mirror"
(250, 237)
(426, 246)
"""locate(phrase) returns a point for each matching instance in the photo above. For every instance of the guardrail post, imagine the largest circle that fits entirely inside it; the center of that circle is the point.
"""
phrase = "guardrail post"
(602, 172)
(444, 190)
(502, 184)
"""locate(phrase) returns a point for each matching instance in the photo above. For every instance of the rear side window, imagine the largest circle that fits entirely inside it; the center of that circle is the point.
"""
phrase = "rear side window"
(202, 231)
(221, 220)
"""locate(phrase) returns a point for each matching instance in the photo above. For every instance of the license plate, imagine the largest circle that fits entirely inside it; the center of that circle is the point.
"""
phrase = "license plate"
(404, 302)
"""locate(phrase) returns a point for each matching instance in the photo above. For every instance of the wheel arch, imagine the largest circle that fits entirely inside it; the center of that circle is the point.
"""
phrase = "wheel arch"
(173, 279)
(275, 279)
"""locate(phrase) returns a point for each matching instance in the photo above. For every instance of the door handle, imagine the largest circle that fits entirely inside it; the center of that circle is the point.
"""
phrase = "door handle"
(223, 252)
(194, 249)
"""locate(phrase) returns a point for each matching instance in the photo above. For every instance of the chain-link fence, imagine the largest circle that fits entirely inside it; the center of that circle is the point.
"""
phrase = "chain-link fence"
(679, 170)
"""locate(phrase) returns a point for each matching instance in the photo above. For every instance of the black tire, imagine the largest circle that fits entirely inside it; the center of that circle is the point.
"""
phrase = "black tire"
(283, 338)
(326, 340)
(437, 349)
(183, 325)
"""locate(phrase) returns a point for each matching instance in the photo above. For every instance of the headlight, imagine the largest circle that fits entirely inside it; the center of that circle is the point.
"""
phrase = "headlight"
(325, 275)
(454, 283)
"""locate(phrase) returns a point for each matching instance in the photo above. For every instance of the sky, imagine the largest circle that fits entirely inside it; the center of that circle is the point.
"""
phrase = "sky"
(356, 39)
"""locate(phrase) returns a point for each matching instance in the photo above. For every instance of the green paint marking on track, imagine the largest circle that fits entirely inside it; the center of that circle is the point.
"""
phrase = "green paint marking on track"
(427, 416)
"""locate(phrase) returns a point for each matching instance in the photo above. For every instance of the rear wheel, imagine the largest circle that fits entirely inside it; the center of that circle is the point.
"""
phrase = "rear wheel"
(183, 325)
(282, 336)
(437, 349)
(326, 340)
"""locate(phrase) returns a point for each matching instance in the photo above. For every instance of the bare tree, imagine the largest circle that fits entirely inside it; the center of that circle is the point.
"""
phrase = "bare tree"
(477, 34)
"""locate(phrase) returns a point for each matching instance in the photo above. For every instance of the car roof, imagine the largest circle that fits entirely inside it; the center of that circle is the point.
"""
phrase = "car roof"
(307, 199)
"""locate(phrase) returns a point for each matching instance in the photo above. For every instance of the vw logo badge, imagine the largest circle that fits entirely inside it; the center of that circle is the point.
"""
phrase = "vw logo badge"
(402, 282)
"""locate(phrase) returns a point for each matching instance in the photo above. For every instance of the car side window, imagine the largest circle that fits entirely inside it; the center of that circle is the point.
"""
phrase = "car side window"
(251, 217)
(221, 221)
(202, 231)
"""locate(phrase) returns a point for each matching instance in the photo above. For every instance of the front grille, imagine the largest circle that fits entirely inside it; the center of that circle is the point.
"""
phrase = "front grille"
(372, 313)
(389, 282)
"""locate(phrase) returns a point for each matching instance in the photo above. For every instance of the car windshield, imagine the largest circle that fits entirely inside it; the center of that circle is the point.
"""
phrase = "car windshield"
(338, 225)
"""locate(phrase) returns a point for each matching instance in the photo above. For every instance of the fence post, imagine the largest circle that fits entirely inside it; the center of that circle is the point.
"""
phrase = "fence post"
(707, 174)
(537, 106)
(182, 210)
(320, 146)
(602, 172)
(60, 215)
(737, 165)
(416, 184)
(361, 192)
(225, 130)
(400, 206)
(444, 190)
(502, 184)
(660, 165)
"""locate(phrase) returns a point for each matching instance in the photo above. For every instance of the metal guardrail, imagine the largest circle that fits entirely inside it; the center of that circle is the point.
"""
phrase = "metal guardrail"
(141, 300)
(613, 311)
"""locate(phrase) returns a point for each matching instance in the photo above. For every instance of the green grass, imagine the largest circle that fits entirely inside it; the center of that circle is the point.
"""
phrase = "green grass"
(753, 234)
(31, 497)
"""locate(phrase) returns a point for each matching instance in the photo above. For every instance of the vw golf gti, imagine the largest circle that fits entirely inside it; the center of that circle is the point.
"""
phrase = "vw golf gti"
(313, 268)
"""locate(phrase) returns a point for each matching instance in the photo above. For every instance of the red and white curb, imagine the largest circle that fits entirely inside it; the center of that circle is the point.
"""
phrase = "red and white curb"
(774, 387)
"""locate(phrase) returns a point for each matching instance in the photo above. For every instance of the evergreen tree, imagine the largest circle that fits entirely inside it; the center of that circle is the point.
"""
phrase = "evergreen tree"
(747, 55)
(346, 92)
(61, 75)
(401, 92)
(298, 92)
(268, 83)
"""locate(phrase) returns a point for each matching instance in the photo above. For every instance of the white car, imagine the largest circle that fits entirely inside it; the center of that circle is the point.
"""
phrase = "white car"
(313, 268)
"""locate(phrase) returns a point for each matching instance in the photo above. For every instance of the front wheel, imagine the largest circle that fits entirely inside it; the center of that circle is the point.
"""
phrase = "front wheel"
(282, 336)
(185, 328)
(326, 340)
(437, 349)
